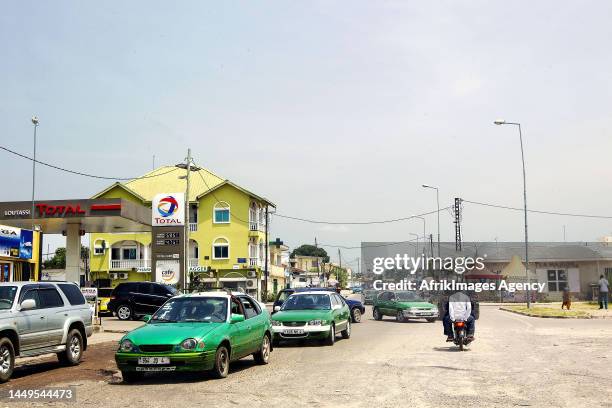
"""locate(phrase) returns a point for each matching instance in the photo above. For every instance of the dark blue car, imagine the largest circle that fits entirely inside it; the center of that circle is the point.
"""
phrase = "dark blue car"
(357, 308)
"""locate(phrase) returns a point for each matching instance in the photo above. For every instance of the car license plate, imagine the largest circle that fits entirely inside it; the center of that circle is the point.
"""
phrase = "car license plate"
(153, 360)
(293, 331)
(155, 368)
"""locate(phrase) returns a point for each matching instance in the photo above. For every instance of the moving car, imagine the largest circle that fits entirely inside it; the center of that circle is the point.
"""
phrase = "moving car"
(356, 307)
(403, 305)
(132, 299)
(104, 295)
(312, 315)
(368, 296)
(42, 318)
(197, 332)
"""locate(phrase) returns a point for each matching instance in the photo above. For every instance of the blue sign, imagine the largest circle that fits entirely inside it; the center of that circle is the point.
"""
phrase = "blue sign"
(16, 242)
(241, 260)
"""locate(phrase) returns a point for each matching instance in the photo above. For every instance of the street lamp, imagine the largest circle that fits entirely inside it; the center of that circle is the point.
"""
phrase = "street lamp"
(438, 202)
(35, 123)
(503, 122)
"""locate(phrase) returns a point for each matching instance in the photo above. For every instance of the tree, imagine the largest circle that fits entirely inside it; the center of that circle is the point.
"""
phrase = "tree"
(58, 261)
(310, 250)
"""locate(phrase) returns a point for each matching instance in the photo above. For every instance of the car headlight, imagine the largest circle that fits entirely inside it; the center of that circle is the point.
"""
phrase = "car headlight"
(126, 345)
(314, 323)
(189, 344)
(276, 323)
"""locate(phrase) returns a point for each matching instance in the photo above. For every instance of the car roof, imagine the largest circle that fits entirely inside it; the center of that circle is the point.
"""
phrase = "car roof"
(301, 290)
(313, 292)
(23, 283)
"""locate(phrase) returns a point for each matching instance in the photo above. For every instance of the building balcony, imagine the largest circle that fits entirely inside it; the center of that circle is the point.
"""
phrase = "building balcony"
(193, 226)
(123, 264)
(255, 262)
(193, 262)
(257, 226)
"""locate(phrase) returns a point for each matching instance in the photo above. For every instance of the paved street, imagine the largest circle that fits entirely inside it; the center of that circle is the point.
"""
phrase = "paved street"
(515, 361)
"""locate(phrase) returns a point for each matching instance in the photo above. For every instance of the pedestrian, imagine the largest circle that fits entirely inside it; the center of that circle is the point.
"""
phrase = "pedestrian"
(603, 292)
(567, 299)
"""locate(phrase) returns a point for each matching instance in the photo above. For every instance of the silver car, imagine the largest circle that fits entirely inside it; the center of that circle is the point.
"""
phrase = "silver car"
(39, 318)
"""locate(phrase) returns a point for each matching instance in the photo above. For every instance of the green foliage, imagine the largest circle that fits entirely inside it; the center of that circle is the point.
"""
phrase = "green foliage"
(310, 250)
(58, 261)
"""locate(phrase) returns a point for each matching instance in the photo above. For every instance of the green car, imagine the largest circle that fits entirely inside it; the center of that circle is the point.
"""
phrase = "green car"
(312, 315)
(403, 306)
(197, 332)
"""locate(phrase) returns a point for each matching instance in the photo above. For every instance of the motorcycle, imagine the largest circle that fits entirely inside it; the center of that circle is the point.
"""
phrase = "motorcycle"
(460, 334)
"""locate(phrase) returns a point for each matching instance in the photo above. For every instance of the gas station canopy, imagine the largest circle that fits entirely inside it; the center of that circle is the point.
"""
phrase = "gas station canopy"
(97, 215)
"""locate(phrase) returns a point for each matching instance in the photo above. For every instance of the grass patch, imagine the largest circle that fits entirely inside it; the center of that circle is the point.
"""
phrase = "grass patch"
(540, 311)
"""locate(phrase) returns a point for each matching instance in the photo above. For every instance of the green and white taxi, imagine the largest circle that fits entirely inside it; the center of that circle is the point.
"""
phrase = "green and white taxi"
(312, 315)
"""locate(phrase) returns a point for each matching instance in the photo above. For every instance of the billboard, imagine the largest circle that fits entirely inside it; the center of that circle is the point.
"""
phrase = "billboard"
(168, 209)
(16, 242)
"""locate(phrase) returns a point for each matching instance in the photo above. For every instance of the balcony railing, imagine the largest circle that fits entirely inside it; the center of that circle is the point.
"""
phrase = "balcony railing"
(256, 226)
(129, 263)
(254, 262)
(193, 262)
(193, 226)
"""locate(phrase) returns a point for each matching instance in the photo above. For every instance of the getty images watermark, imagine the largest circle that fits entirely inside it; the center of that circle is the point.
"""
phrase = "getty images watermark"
(459, 265)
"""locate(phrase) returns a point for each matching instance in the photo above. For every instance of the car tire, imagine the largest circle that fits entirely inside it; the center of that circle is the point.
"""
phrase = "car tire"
(74, 349)
(7, 359)
(331, 337)
(124, 312)
(263, 355)
(346, 333)
(377, 314)
(131, 376)
(431, 320)
(400, 317)
(356, 315)
(222, 361)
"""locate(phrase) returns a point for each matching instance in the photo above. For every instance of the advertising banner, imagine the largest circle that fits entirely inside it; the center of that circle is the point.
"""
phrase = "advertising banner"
(168, 209)
(167, 271)
(15, 242)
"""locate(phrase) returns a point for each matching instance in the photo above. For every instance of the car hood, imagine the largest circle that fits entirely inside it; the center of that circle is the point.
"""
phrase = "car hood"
(425, 305)
(301, 315)
(170, 333)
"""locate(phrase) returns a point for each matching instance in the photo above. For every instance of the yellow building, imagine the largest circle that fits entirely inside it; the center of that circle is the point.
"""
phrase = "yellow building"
(226, 238)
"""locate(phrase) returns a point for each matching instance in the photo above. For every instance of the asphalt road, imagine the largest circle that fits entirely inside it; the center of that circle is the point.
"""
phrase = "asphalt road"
(515, 361)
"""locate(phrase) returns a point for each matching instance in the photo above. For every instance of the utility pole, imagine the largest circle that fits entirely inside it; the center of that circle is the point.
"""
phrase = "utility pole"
(185, 273)
(35, 123)
(266, 256)
(153, 162)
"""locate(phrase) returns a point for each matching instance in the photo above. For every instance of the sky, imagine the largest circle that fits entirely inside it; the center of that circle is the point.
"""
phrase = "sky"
(334, 110)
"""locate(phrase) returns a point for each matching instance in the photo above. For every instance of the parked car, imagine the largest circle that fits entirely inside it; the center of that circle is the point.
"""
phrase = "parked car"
(356, 289)
(104, 295)
(42, 318)
(197, 332)
(312, 315)
(356, 307)
(368, 296)
(132, 299)
(403, 305)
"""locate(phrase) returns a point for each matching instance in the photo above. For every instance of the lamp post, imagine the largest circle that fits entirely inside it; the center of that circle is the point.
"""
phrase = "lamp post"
(438, 202)
(500, 122)
(35, 123)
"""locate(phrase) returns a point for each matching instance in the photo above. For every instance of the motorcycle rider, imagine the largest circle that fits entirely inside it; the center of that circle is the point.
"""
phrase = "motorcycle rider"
(459, 307)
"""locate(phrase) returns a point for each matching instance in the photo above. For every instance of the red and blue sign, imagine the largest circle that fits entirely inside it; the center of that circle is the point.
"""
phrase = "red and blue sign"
(167, 206)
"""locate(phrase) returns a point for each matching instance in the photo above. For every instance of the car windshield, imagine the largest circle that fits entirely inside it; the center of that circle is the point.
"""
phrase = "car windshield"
(408, 297)
(7, 296)
(307, 302)
(104, 292)
(192, 309)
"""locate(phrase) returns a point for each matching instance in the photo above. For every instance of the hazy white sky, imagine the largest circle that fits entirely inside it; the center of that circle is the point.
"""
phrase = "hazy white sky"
(334, 110)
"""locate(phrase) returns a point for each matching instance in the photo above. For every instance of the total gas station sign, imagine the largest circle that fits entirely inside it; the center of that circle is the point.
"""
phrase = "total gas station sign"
(168, 209)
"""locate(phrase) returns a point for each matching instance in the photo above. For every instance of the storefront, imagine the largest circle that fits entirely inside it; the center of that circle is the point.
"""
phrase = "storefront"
(19, 254)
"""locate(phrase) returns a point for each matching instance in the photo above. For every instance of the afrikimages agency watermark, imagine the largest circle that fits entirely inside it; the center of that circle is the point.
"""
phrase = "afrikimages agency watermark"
(459, 265)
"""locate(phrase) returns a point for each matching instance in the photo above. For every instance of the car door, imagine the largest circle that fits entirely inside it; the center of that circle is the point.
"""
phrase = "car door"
(159, 296)
(31, 324)
(239, 334)
(336, 313)
(145, 302)
(391, 304)
(55, 312)
(255, 323)
(345, 311)
(381, 303)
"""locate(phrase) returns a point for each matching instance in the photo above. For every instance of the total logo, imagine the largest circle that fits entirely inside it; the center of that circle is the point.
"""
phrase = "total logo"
(167, 206)
(168, 209)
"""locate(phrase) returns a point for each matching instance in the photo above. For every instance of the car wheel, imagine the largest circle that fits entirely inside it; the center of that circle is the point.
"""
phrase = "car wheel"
(7, 359)
(131, 376)
(221, 368)
(74, 349)
(331, 338)
(377, 315)
(431, 320)
(346, 333)
(356, 315)
(400, 317)
(124, 312)
(263, 355)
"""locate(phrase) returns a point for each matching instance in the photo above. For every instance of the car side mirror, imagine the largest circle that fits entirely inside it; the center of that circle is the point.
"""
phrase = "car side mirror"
(146, 318)
(236, 318)
(277, 308)
(28, 304)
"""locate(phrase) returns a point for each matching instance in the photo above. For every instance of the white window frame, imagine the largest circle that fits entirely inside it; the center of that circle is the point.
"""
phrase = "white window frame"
(98, 249)
(135, 247)
(216, 244)
(226, 206)
(556, 281)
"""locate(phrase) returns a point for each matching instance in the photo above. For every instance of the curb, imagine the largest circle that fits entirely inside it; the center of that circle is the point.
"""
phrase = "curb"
(552, 317)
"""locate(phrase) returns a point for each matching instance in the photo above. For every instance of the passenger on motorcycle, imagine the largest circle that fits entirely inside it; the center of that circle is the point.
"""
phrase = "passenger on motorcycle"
(459, 308)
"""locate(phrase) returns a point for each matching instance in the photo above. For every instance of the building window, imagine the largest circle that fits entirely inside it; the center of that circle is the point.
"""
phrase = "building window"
(557, 280)
(129, 253)
(221, 248)
(221, 213)
(115, 254)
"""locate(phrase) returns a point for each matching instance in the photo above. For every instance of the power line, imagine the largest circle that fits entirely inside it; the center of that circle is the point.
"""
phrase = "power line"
(78, 173)
(370, 246)
(359, 222)
(505, 207)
